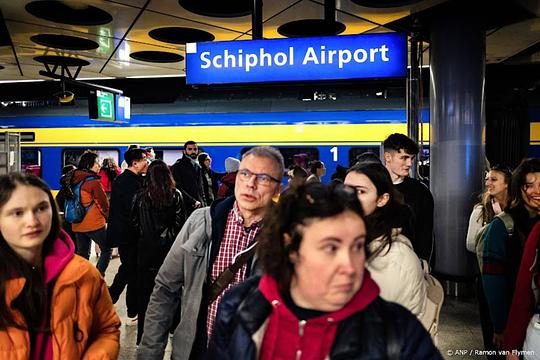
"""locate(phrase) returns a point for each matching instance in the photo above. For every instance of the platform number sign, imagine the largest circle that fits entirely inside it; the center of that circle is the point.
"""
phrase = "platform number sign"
(105, 105)
(334, 152)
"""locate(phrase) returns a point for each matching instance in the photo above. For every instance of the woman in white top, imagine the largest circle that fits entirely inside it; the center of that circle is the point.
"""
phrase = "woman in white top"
(492, 202)
(393, 265)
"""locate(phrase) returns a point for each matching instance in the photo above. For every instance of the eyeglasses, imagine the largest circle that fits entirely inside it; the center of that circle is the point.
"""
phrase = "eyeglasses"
(262, 179)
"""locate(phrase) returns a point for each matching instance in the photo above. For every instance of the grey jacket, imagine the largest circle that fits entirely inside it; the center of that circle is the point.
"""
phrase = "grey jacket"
(179, 282)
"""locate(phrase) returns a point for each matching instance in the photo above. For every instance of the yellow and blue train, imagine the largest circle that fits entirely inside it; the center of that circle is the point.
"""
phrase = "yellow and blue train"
(335, 137)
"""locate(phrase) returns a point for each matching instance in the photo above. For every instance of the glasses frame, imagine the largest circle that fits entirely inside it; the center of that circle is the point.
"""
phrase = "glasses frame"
(257, 177)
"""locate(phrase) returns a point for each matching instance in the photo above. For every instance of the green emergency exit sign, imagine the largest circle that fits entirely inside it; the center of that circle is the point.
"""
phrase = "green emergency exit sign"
(105, 105)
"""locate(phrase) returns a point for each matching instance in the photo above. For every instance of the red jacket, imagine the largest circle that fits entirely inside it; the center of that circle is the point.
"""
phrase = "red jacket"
(105, 181)
(523, 301)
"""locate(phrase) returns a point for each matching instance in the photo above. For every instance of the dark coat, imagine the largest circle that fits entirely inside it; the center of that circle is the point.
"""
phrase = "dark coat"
(419, 198)
(214, 176)
(123, 190)
(155, 229)
(189, 180)
(363, 335)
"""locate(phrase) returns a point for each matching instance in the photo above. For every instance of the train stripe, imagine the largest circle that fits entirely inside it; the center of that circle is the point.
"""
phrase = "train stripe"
(215, 135)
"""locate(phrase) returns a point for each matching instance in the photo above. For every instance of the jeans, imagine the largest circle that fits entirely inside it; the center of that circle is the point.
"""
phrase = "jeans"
(83, 242)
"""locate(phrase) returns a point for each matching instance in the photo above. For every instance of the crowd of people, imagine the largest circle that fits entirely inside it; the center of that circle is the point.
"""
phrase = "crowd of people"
(236, 267)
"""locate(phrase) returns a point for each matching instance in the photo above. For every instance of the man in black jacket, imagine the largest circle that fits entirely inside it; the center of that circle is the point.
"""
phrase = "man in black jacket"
(123, 190)
(399, 152)
(187, 174)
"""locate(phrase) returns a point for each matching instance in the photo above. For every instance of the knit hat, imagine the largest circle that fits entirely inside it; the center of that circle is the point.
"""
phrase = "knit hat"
(231, 164)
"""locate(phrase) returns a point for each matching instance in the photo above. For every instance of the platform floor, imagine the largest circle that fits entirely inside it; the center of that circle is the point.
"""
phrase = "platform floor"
(459, 328)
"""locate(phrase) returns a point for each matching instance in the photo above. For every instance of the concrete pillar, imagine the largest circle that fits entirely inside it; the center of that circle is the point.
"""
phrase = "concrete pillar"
(457, 77)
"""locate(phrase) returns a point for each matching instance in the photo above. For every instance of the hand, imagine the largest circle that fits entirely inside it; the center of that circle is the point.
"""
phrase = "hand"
(197, 204)
(511, 356)
(498, 341)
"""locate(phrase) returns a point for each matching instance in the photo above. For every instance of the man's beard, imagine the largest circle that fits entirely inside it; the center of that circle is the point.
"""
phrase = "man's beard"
(193, 156)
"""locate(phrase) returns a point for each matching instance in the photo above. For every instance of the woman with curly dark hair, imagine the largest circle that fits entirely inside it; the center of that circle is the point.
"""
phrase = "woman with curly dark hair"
(315, 300)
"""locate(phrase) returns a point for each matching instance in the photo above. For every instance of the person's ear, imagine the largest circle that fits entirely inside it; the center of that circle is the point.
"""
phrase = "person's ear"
(383, 200)
(387, 157)
(287, 241)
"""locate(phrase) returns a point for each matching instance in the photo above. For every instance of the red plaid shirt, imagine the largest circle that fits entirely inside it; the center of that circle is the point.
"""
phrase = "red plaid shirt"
(235, 239)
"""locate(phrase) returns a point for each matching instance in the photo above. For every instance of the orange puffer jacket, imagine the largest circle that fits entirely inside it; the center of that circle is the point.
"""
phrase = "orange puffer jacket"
(92, 193)
(84, 322)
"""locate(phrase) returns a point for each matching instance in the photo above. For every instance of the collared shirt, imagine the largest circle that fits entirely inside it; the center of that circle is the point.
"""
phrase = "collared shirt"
(235, 239)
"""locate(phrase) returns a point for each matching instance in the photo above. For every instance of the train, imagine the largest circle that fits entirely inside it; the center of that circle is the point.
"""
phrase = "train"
(335, 137)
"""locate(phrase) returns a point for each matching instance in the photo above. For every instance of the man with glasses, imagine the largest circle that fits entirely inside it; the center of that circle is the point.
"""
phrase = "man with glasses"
(212, 239)
(188, 175)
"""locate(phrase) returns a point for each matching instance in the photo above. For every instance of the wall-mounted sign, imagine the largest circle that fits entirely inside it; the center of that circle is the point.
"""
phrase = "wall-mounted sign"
(316, 58)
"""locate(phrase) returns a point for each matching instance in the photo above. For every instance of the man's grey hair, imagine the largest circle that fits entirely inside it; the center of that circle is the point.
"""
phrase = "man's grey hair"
(269, 153)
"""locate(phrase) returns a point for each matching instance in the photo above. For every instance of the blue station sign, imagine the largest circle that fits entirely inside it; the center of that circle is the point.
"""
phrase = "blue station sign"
(315, 58)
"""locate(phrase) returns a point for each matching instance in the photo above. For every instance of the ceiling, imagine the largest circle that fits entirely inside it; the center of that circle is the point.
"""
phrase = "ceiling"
(110, 38)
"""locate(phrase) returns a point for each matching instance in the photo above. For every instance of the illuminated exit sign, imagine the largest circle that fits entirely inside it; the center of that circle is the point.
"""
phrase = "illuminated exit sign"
(317, 58)
(105, 105)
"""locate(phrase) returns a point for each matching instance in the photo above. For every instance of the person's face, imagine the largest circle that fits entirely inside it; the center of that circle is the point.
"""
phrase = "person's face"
(252, 195)
(25, 220)
(398, 163)
(329, 265)
(208, 162)
(530, 192)
(140, 166)
(192, 151)
(321, 171)
(366, 192)
(495, 184)
(96, 166)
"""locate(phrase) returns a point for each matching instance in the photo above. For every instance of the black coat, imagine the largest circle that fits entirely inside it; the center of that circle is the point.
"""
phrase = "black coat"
(123, 190)
(214, 176)
(419, 198)
(155, 229)
(189, 180)
(363, 335)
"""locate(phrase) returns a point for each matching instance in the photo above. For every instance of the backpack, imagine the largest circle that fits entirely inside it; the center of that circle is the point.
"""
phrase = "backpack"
(74, 211)
(508, 224)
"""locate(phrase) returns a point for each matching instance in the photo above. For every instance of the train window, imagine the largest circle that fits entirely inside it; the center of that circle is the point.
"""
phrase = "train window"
(294, 155)
(31, 161)
(355, 151)
(168, 155)
(72, 156)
